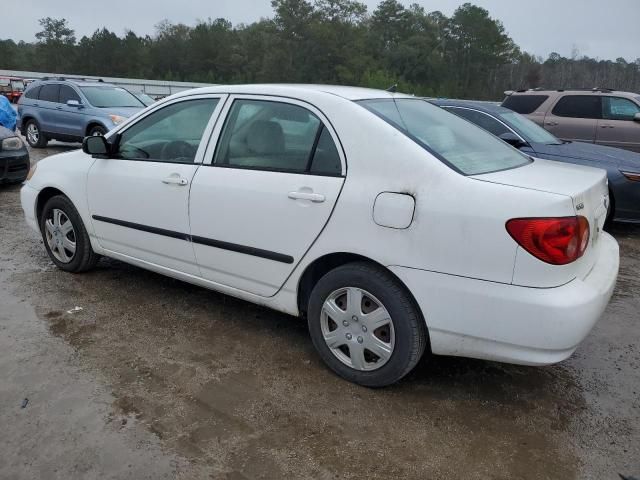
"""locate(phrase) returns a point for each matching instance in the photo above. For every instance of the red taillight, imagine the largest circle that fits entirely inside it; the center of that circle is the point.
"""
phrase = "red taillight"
(557, 241)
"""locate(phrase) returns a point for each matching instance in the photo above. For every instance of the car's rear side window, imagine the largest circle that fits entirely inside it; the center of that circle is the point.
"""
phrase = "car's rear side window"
(461, 145)
(49, 92)
(33, 92)
(276, 136)
(481, 119)
(524, 104)
(579, 106)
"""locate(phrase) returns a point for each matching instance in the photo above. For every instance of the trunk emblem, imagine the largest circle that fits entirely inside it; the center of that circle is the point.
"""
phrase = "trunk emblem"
(580, 206)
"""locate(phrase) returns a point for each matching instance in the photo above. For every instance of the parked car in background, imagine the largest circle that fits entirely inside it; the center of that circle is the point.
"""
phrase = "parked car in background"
(144, 98)
(70, 109)
(14, 157)
(12, 88)
(392, 225)
(602, 116)
(622, 166)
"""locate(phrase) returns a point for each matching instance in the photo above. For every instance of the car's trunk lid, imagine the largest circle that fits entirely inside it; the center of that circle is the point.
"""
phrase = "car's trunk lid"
(586, 186)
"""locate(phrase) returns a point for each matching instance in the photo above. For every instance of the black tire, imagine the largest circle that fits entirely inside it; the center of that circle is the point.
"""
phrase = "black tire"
(41, 140)
(84, 257)
(411, 334)
(97, 130)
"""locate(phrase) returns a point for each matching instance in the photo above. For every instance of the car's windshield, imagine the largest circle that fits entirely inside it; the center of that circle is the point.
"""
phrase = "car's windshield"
(532, 132)
(17, 85)
(103, 97)
(461, 145)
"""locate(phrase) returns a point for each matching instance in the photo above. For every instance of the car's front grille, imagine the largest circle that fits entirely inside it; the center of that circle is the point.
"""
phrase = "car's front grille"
(17, 168)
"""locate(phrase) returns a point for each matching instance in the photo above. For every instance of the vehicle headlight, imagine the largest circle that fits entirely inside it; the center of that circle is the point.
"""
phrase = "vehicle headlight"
(117, 119)
(32, 171)
(12, 143)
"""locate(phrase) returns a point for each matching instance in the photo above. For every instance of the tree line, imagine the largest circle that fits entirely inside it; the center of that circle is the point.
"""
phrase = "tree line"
(466, 55)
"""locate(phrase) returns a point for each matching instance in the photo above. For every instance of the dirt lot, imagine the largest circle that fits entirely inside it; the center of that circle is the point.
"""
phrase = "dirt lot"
(155, 378)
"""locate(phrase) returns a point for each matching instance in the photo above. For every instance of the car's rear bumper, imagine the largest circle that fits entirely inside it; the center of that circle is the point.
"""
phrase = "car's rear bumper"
(496, 321)
(14, 165)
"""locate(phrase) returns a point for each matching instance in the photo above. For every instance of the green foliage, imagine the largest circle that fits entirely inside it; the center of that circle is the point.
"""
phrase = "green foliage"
(467, 55)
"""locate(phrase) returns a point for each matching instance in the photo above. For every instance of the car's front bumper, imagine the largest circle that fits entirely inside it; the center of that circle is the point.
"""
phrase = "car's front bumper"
(14, 165)
(28, 199)
(496, 321)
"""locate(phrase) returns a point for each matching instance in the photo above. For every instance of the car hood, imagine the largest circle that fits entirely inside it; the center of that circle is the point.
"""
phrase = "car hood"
(123, 111)
(591, 153)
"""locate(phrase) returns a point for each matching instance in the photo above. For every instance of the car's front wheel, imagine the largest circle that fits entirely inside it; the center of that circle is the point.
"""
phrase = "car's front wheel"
(65, 237)
(365, 325)
(97, 130)
(35, 137)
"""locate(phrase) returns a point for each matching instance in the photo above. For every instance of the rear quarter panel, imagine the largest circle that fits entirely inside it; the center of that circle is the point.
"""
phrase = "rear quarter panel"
(459, 222)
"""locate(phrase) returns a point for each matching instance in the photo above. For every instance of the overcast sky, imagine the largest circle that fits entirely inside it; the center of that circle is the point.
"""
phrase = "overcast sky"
(603, 29)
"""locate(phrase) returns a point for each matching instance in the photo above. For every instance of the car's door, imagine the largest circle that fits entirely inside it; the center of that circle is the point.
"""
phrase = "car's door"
(139, 201)
(265, 192)
(575, 117)
(47, 103)
(69, 118)
(617, 127)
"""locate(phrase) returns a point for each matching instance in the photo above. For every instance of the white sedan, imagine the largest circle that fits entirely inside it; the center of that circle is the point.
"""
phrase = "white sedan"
(393, 226)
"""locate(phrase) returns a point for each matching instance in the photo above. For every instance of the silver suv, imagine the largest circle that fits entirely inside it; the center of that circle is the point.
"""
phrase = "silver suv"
(599, 115)
(69, 109)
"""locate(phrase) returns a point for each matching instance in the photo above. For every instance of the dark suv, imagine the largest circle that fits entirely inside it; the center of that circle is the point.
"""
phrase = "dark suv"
(71, 109)
(599, 115)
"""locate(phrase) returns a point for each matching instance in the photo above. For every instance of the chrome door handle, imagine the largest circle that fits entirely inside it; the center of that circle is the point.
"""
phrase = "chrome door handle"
(314, 197)
(552, 124)
(175, 180)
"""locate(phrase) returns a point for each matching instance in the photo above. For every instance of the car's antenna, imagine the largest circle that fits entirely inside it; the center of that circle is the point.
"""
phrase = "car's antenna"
(393, 88)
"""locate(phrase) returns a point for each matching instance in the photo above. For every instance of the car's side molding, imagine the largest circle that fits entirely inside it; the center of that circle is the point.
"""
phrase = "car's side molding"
(210, 242)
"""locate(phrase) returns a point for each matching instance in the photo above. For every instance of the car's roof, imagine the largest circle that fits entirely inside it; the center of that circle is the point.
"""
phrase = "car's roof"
(75, 81)
(487, 107)
(574, 91)
(349, 93)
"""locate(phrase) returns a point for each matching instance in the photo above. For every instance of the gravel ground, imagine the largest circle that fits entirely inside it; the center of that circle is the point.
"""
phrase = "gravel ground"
(155, 378)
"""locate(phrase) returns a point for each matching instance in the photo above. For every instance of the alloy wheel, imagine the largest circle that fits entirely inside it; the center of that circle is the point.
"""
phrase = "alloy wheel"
(33, 133)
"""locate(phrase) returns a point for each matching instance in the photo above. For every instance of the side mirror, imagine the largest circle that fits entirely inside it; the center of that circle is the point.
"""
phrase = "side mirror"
(73, 103)
(96, 146)
(512, 139)
(636, 117)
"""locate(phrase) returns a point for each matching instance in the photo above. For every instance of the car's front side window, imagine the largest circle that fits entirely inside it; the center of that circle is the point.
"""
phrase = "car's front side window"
(67, 93)
(617, 108)
(171, 134)
(277, 136)
(466, 148)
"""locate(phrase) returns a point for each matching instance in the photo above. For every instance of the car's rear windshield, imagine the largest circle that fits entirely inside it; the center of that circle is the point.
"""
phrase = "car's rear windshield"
(524, 104)
(103, 97)
(532, 132)
(463, 146)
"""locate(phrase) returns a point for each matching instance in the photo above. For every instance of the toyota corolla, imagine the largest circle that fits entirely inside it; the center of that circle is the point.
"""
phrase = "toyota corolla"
(394, 227)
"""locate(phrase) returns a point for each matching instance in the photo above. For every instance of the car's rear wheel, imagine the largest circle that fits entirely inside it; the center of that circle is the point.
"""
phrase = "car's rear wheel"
(65, 237)
(97, 130)
(365, 325)
(35, 137)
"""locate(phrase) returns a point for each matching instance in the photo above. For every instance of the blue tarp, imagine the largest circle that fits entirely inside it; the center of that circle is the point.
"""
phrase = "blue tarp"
(7, 114)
